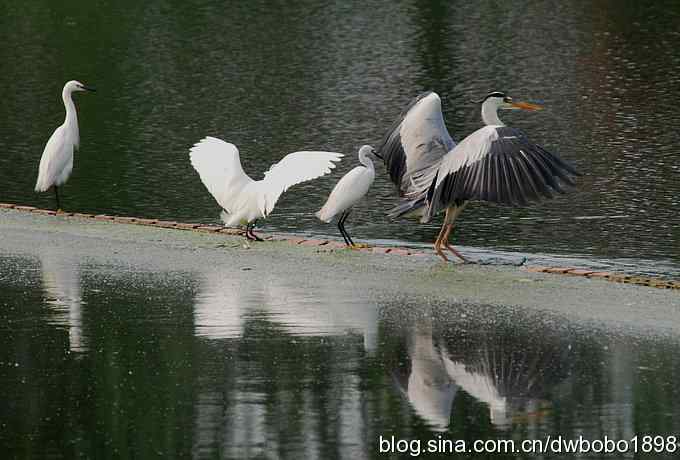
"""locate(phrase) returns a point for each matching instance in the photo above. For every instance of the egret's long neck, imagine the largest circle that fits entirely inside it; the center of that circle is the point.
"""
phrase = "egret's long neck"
(366, 161)
(490, 113)
(71, 115)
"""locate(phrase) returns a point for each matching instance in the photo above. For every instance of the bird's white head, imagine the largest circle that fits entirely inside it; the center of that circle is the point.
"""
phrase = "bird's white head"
(74, 85)
(367, 153)
(498, 100)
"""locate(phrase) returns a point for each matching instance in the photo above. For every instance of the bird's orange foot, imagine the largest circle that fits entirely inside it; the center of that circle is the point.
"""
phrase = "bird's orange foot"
(440, 253)
(457, 254)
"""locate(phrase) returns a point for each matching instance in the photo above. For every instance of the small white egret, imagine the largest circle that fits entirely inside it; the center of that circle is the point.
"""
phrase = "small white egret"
(56, 163)
(244, 200)
(496, 163)
(349, 190)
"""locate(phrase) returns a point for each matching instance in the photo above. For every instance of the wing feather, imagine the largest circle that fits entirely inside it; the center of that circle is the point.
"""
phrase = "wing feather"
(54, 160)
(293, 169)
(497, 164)
(219, 166)
(415, 144)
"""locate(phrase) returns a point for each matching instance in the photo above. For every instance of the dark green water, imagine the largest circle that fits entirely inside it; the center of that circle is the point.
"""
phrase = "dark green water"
(108, 361)
(333, 75)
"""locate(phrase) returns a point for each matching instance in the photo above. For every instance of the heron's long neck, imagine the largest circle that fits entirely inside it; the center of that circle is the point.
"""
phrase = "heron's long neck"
(71, 115)
(364, 160)
(490, 113)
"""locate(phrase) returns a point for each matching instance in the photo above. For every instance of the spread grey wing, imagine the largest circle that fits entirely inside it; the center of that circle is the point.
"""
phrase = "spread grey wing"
(498, 164)
(415, 144)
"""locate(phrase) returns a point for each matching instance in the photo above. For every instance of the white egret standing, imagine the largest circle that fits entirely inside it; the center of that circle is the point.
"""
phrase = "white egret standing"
(244, 200)
(496, 163)
(56, 163)
(348, 191)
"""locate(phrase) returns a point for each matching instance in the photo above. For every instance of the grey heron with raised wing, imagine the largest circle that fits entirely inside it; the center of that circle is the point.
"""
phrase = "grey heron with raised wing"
(496, 163)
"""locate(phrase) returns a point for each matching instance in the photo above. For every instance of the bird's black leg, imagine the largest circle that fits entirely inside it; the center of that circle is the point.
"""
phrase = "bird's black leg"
(248, 237)
(342, 228)
(56, 194)
(345, 233)
(249, 232)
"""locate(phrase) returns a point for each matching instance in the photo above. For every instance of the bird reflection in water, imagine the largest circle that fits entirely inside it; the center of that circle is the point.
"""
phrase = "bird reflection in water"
(61, 281)
(225, 303)
(427, 386)
(510, 371)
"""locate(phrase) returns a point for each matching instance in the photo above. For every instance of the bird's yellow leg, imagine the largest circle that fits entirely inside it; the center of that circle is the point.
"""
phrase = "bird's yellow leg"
(438, 244)
(449, 247)
(450, 217)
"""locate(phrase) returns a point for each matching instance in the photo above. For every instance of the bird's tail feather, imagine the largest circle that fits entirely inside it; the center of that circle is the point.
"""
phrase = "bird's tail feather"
(323, 216)
(224, 215)
(408, 207)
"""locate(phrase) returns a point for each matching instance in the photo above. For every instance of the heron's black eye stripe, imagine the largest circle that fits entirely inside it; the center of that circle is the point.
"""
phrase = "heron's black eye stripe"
(494, 94)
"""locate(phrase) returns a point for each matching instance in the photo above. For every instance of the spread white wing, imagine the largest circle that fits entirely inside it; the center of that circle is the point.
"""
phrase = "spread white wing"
(293, 169)
(217, 163)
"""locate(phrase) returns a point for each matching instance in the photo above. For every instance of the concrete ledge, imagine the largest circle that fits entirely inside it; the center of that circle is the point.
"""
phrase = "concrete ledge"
(331, 246)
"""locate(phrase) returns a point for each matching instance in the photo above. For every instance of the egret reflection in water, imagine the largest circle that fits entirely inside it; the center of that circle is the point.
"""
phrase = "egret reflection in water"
(268, 335)
(224, 305)
(61, 281)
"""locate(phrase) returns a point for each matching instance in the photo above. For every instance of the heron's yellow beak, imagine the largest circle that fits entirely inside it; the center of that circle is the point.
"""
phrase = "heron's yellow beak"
(525, 106)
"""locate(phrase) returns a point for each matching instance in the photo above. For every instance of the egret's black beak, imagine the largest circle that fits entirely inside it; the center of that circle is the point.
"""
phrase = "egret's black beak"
(89, 88)
(375, 152)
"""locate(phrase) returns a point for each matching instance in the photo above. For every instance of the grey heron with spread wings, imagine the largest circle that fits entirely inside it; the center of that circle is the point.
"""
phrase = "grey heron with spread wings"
(496, 163)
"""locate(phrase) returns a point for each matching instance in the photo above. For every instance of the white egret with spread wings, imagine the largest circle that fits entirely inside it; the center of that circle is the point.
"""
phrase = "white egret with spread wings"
(244, 200)
(496, 163)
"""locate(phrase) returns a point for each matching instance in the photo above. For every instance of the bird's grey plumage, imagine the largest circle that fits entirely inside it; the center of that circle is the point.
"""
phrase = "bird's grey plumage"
(412, 149)
(495, 163)
(500, 165)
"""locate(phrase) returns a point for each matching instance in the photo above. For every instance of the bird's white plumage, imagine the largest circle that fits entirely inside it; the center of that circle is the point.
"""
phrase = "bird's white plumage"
(294, 169)
(219, 166)
(56, 162)
(242, 198)
(350, 189)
